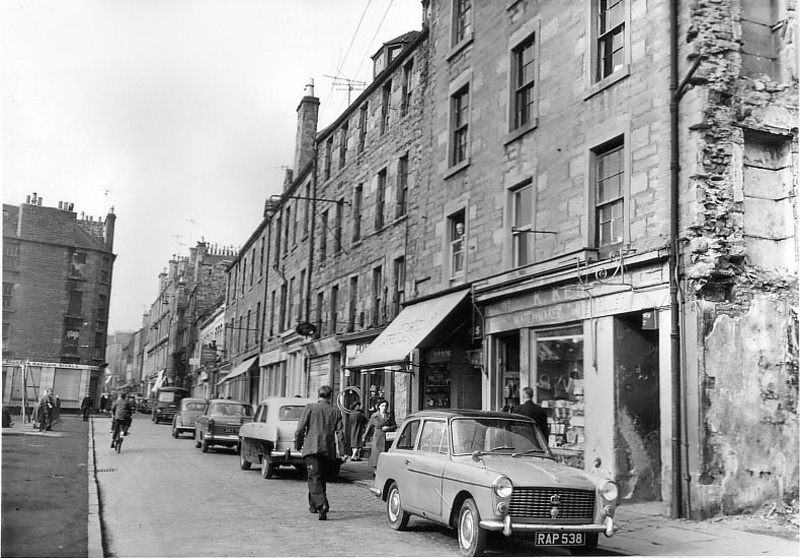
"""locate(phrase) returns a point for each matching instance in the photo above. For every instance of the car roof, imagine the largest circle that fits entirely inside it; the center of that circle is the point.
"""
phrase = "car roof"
(193, 399)
(228, 401)
(466, 413)
(287, 401)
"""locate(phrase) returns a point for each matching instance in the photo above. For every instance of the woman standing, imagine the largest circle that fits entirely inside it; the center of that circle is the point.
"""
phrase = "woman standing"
(380, 423)
(356, 423)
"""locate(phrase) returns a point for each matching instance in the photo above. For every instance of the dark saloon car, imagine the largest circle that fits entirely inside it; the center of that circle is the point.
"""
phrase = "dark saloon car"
(481, 472)
(220, 422)
(184, 420)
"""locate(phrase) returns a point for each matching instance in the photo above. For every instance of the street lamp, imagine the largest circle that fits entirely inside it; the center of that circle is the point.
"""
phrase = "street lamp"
(273, 202)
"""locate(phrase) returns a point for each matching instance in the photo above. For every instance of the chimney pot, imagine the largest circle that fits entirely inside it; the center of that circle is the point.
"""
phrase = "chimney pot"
(309, 90)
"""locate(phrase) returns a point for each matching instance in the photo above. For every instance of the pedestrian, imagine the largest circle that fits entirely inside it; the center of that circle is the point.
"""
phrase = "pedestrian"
(86, 407)
(379, 424)
(534, 411)
(103, 402)
(319, 432)
(56, 410)
(45, 414)
(356, 425)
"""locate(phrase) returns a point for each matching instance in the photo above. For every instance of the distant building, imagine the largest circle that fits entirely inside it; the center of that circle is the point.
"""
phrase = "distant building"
(57, 272)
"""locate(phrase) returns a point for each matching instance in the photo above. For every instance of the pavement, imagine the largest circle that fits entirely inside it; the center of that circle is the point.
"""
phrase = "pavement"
(645, 530)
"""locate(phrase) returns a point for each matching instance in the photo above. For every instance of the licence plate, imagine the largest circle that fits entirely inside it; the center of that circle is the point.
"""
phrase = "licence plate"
(560, 539)
(229, 431)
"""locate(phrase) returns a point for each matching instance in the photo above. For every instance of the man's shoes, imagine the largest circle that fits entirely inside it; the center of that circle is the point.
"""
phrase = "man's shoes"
(112, 445)
(313, 509)
(323, 513)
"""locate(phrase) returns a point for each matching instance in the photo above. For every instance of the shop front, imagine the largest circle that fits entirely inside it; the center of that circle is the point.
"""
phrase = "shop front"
(594, 356)
(427, 358)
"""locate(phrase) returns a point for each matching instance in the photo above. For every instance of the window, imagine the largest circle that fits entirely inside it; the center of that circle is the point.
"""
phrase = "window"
(402, 186)
(301, 296)
(318, 313)
(8, 293)
(609, 176)
(334, 304)
(10, 255)
(75, 303)
(363, 116)
(433, 439)
(380, 200)
(323, 237)
(456, 238)
(611, 17)
(462, 20)
(459, 110)
(261, 257)
(399, 295)
(351, 318)
(105, 270)
(343, 144)
(523, 65)
(102, 307)
(408, 436)
(272, 310)
(522, 211)
(77, 266)
(326, 171)
(244, 273)
(71, 337)
(258, 321)
(358, 197)
(294, 227)
(385, 105)
(247, 329)
(290, 305)
(761, 38)
(278, 229)
(99, 346)
(337, 227)
(377, 295)
(287, 230)
(405, 95)
(282, 314)
(307, 209)
(252, 265)
(6, 335)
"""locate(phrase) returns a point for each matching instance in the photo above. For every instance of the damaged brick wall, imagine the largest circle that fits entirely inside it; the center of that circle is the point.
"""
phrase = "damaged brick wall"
(740, 255)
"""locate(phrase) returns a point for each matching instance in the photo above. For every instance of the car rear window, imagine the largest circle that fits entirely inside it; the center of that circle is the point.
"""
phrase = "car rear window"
(231, 410)
(198, 406)
(290, 412)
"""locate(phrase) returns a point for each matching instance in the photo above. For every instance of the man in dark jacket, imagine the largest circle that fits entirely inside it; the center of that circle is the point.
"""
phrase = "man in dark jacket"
(531, 409)
(317, 432)
(86, 407)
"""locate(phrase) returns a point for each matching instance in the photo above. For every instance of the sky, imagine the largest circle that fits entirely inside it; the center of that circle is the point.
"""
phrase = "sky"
(179, 114)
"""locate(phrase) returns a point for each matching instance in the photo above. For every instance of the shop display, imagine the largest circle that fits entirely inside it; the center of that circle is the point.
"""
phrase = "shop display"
(437, 388)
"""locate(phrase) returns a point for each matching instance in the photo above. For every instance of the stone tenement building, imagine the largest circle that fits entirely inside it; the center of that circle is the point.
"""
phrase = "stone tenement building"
(596, 200)
(57, 272)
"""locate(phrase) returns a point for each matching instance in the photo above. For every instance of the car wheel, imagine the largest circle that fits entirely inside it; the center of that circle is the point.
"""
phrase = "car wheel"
(244, 464)
(267, 467)
(196, 439)
(175, 433)
(204, 445)
(152, 418)
(398, 518)
(471, 536)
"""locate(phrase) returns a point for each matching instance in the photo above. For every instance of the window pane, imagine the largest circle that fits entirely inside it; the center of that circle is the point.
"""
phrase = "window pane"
(523, 210)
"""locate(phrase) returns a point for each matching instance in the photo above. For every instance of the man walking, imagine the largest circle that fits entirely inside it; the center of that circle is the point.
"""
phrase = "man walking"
(534, 411)
(86, 407)
(45, 412)
(318, 429)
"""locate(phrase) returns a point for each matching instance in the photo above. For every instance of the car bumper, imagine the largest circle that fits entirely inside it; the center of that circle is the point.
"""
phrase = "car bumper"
(227, 439)
(286, 456)
(509, 527)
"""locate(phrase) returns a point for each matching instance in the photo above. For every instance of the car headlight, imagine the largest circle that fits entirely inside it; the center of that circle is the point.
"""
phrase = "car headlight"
(609, 491)
(503, 487)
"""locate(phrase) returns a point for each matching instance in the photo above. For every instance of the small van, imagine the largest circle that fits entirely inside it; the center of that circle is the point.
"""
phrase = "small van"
(166, 403)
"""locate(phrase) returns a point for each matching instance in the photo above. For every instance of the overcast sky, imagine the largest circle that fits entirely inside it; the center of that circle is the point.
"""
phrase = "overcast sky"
(178, 113)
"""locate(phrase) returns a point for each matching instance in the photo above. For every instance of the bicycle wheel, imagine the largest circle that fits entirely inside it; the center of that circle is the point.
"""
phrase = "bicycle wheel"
(118, 444)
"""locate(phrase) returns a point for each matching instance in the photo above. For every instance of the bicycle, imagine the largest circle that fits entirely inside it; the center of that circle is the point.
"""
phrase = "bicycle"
(117, 435)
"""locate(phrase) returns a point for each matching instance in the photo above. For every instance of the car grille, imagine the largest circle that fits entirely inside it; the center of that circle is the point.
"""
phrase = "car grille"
(225, 429)
(535, 503)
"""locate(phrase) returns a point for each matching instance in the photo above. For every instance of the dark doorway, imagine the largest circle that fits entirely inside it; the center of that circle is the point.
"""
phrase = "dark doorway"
(638, 425)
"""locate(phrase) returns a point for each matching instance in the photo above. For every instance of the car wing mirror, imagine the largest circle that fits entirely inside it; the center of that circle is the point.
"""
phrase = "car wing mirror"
(477, 455)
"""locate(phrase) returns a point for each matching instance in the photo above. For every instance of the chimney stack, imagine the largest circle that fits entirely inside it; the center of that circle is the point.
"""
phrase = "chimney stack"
(307, 118)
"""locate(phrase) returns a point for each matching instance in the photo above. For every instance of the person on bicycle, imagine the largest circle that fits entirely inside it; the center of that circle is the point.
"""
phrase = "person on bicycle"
(121, 412)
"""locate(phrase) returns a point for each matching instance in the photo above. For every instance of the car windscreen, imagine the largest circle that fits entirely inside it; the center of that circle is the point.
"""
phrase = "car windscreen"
(166, 396)
(290, 412)
(194, 406)
(230, 410)
(496, 435)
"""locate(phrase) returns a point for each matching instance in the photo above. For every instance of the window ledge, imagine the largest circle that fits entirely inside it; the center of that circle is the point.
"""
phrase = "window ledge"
(521, 131)
(458, 47)
(456, 168)
(607, 82)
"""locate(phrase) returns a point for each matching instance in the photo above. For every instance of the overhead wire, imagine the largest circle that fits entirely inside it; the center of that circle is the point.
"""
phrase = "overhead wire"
(378, 30)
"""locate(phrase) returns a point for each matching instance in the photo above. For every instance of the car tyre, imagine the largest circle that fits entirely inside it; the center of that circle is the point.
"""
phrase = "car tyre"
(196, 440)
(267, 467)
(397, 517)
(204, 444)
(471, 536)
(175, 433)
(244, 464)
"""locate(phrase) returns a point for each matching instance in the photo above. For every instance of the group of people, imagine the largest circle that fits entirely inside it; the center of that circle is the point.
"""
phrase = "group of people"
(323, 438)
(47, 411)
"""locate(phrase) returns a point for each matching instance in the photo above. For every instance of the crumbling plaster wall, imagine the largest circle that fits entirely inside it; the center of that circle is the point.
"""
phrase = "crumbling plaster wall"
(748, 361)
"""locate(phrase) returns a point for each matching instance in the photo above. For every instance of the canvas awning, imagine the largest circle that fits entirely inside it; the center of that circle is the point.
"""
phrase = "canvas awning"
(159, 381)
(408, 330)
(239, 369)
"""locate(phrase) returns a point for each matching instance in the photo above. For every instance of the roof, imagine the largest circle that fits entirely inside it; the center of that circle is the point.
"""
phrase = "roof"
(467, 413)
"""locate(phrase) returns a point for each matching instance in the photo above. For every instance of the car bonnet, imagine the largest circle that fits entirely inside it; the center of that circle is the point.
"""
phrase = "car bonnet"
(537, 471)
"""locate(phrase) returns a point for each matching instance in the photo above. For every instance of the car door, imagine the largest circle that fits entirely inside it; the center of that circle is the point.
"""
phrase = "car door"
(425, 467)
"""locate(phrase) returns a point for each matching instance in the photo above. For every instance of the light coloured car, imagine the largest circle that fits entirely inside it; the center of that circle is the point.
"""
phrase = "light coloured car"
(483, 471)
(188, 411)
(269, 440)
(219, 423)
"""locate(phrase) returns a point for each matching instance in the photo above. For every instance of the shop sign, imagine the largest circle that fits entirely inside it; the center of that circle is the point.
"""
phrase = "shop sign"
(440, 355)
(545, 315)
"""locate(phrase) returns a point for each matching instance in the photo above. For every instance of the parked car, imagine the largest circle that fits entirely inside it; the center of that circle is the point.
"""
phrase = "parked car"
(219, 423)
(166, 402)
(144, 405)
(184, 420)
(268, 441)
(482, 471)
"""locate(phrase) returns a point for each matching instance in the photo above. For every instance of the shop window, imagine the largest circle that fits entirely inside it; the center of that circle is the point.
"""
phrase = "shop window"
(559, 385)
(508, 354)
(437, 385)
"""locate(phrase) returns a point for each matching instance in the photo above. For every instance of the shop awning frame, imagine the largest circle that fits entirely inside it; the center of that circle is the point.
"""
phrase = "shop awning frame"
(412, 326)
(239, 369)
